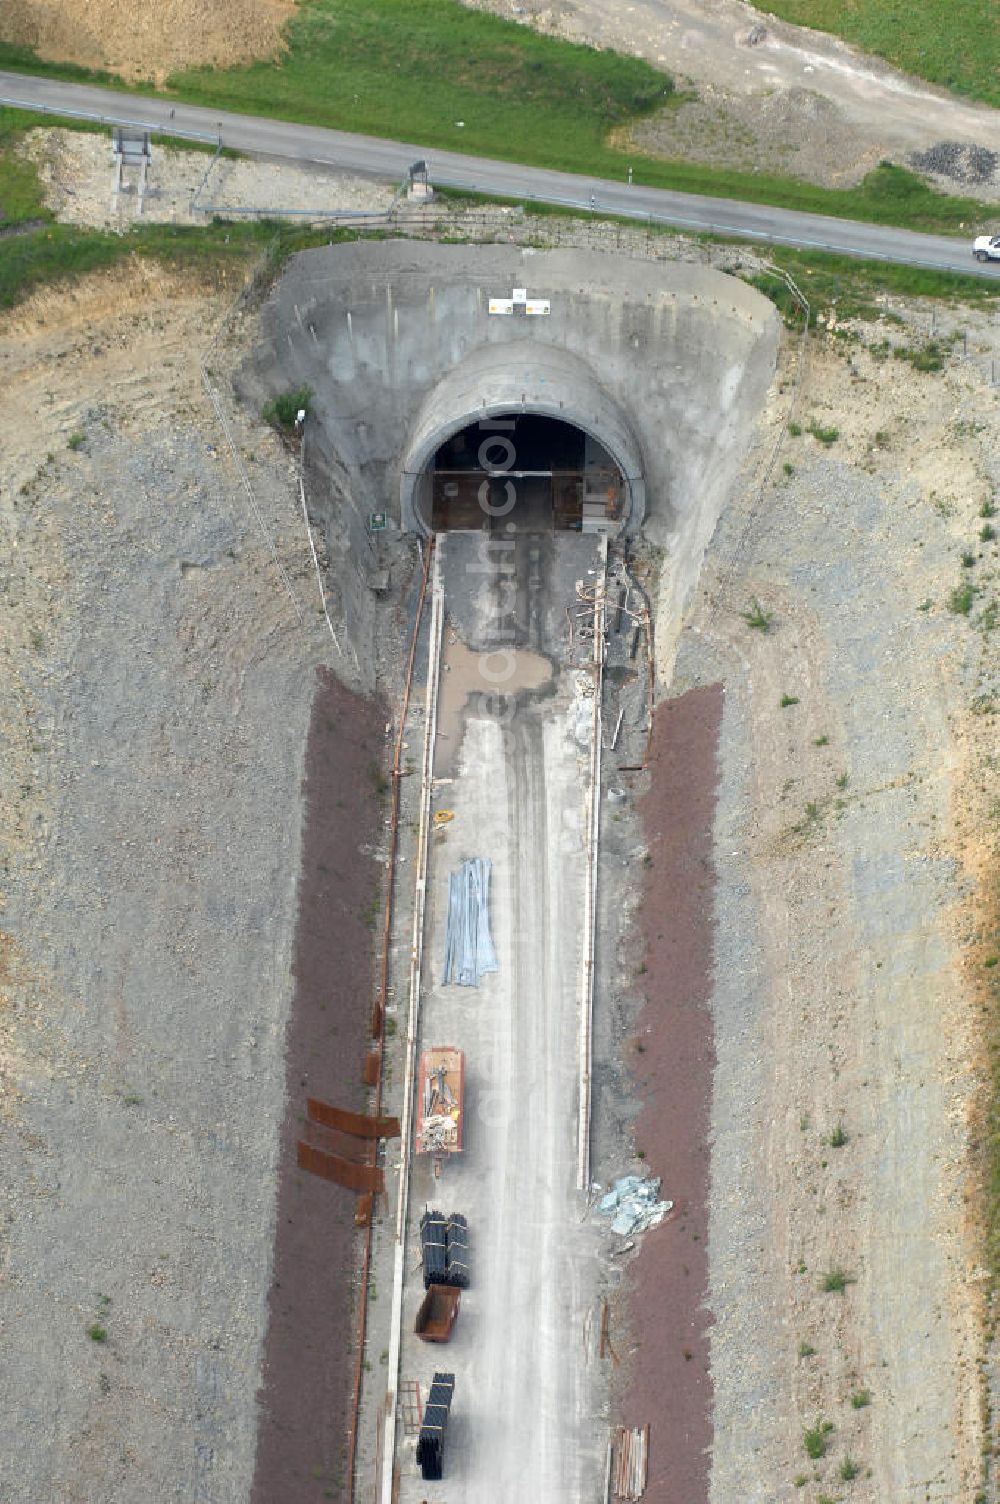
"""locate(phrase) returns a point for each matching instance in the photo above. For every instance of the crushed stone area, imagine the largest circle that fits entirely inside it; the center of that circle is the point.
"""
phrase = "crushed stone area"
(76, 171)
(855, 760)
(156, 690)
(794, 132)
(145, 45)
(763, 84)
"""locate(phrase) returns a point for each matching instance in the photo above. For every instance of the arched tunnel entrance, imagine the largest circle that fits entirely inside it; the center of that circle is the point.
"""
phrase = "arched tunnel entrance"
(522, 436)
(522, 471)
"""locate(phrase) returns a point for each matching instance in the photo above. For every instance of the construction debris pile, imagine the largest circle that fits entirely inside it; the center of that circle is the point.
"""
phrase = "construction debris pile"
(634, 1204)
(468, 948)
(631, 1463)
(439, 1123)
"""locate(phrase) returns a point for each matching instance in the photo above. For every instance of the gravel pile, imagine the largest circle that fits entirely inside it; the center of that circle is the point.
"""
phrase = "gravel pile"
(975, 166)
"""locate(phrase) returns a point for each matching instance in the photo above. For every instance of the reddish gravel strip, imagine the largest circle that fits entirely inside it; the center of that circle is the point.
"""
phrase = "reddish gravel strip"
(668, 1383)
(304, 1400)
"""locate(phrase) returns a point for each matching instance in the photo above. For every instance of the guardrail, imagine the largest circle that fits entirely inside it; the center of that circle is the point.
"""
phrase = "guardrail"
(154, 128)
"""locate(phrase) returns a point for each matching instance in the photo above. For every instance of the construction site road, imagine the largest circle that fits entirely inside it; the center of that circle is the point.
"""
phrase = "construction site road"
(391, 159)
(528, 1413)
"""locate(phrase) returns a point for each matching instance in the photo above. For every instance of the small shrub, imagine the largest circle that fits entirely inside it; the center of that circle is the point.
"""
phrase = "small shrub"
(806, 1350)
(77, 439)
(842, 780)
(837, 1281)
(968, 559)
(787, 700)
(795, 429)
(961, 598)
(882, 439)
(849, 1469)
(788, 468)
(757, 617)
(825, 436)
(838, 1138)
(929, 358)
(815, 1439)
(987, 533)
(988, 509)
(821, 741)
(860, 1398)
(97, 1333)
(282, 411)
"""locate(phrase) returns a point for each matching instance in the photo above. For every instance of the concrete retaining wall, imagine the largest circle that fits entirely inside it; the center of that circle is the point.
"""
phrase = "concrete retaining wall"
(667, 364)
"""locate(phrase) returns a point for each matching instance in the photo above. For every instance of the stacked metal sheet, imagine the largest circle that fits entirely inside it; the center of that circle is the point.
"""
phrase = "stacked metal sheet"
(458, 1251)
(430, 1443)
(444, 1247)
(434, 1248)
(468, 947)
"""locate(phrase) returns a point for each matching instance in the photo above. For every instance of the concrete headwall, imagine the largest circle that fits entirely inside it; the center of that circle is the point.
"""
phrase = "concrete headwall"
(667, 364)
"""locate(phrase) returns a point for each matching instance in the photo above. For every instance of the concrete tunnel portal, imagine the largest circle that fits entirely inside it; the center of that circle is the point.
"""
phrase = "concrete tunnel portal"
(522, 437)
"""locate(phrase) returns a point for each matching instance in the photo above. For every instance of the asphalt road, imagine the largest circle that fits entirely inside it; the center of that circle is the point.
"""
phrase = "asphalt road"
(306, 144)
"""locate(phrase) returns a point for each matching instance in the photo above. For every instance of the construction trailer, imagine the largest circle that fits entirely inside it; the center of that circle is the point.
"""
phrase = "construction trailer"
(440, 1101)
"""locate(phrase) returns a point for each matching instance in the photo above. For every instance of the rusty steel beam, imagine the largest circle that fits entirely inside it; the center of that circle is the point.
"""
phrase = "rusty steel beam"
(358, 1124)
(341, 1171)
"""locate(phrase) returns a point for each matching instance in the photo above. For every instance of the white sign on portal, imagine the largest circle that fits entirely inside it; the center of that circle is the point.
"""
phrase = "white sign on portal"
(520, 305)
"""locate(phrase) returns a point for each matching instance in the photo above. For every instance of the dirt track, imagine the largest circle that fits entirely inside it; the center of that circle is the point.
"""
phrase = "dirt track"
(309, 1350)
(667, 1380)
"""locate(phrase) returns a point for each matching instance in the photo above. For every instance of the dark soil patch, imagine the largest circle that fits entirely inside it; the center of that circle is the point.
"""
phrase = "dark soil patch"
(668, 1383)
(304, 1401)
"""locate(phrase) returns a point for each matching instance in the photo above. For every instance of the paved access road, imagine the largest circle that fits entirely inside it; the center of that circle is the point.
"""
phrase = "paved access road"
(391, 159)
(529, 1414)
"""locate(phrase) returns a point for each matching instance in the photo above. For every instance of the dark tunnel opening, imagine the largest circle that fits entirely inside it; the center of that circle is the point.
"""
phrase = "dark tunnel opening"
(523, 472)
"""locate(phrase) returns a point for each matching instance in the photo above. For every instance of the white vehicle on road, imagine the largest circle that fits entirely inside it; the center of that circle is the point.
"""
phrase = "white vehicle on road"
(986, 247)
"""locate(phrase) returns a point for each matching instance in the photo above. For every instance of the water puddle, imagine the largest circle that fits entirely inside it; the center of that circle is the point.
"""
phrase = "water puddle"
(468, 676)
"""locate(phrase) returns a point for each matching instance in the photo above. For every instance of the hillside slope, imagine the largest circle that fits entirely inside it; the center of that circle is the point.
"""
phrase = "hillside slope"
(146, 41)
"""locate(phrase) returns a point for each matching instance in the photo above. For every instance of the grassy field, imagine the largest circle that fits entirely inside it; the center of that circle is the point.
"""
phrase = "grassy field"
(20, 191)
(439, 74)
(413, 69)
(954, 43)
